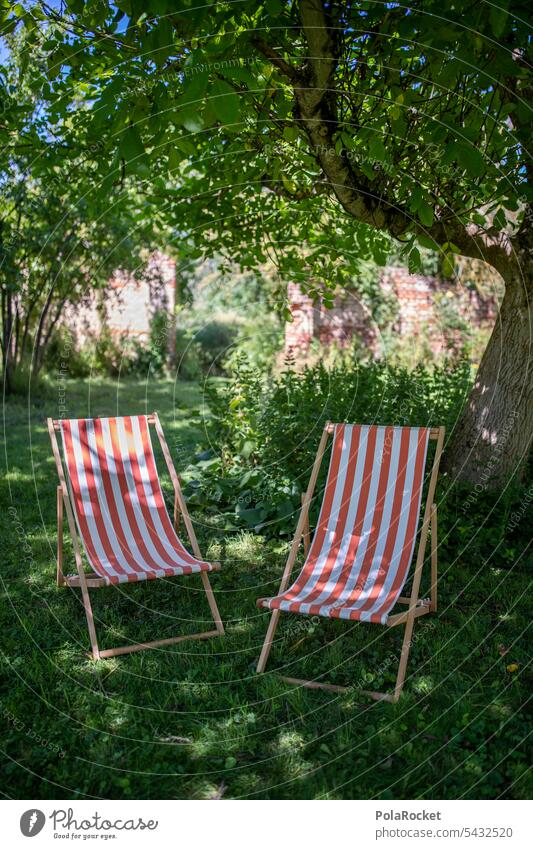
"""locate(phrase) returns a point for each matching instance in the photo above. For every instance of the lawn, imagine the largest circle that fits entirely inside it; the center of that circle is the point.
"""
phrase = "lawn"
(193, 720)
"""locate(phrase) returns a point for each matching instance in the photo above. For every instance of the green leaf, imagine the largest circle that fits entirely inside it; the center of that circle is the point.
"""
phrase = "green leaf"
(499, 220)
(113, 173)
(379, 255)
(414, 261)
(191, 119)
(427, 242)
(225, 102)
(247, 449)
(130, 145)
(185, 145)
(194, 87)
(289, 184)
(471, 160)
(498, 17)
(425, 213)
(416, 197)
(290, 134)
(251, 515)
(175, 158)
(163, 41)
(448, 265)
(376, 149)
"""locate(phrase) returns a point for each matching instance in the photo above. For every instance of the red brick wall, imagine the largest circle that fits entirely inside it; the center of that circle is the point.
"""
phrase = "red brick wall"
(416, 298)
(129, 304)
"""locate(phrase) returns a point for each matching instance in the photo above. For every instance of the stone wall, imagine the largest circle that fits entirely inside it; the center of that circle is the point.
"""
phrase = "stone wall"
(425, 308)
(127, 306)
(422, 307)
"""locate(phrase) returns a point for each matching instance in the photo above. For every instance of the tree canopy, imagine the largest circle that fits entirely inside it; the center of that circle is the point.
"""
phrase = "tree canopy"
(414, 119)
(58, 240)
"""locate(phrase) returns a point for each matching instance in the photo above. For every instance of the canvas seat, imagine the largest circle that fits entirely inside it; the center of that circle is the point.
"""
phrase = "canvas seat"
(118, 504)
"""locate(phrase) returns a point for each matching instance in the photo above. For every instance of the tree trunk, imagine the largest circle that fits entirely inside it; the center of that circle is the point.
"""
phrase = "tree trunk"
(36, 359)
(7, 360)
(492, 438)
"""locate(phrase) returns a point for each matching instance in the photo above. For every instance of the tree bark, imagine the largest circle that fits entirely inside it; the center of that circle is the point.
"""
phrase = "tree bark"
(7, 324)
(493, 435)
(36, 359)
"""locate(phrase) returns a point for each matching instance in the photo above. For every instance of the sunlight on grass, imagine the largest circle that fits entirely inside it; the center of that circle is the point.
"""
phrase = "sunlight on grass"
(290, 748)
(198, 712)
(14, 475)
(423, 684)
(241, 626)
(289, 743)
(500, 710)
(244, 546)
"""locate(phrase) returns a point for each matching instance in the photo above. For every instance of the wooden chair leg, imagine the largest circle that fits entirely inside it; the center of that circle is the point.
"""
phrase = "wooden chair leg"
(404, 657)
(134, 647)
(434, 531)
(212, 603)
(155, 644)
(267, 645)
(176, 513)
(306, 532)
(90, 620)
(60, 578)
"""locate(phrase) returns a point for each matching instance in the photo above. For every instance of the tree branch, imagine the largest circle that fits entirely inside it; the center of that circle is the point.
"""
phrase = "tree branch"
(281, 64)
(314, 93)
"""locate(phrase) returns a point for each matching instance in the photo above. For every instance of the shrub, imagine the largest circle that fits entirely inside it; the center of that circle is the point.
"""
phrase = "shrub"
(161, 327)
(62, 349)
(102, 354)
(106, 355)
(215, 340)
(188, 356)
(260, 341)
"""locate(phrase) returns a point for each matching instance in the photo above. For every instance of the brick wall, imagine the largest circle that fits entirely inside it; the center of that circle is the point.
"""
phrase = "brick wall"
(128, 305)
(422, 308)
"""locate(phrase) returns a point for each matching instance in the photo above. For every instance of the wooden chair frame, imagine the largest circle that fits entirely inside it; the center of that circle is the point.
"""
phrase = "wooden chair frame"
(416, 606)
(86, 581)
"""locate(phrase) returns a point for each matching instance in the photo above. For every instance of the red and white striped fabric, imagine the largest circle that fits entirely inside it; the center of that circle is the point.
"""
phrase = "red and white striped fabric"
(118, 504)
(363, 545)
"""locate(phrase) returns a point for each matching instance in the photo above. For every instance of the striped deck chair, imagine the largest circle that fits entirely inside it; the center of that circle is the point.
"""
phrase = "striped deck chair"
(113, 501)
(359, 558)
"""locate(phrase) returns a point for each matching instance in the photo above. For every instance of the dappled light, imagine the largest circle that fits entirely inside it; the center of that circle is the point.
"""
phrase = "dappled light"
(266, 487)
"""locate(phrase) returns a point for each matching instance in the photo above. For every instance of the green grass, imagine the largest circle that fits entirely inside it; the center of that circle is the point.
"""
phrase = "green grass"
(193, 720)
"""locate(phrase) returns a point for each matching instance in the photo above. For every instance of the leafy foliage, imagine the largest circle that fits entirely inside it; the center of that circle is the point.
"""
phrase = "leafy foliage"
(59, 241)
(309, 133)
(409, 92)
(264, 431)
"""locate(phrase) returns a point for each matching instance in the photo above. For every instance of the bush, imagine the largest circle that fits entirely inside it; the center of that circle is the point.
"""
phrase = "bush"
(103, 355)
(215, 340)
(139, 358)
(188, 355)
(266, 429)
(62, 349)
(107, 355)
(260, 342)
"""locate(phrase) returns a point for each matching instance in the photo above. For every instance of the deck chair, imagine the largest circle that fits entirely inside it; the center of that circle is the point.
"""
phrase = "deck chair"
(359, 558)
(114, 502)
